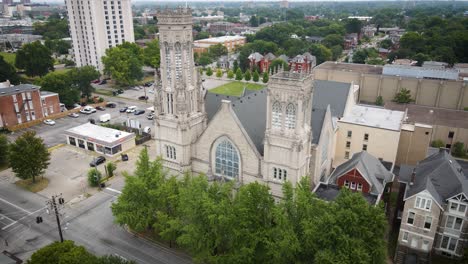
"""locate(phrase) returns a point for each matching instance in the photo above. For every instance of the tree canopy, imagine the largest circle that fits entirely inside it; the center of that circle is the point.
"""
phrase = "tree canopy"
(8, 72)
(151, 54)
(28, 156)
(219, 225)
(35, 59)
(54, 28)
(124, 63)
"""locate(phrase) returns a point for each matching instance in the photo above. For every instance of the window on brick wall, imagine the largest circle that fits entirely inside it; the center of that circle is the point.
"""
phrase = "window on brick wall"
(410, 219)
(428, 222)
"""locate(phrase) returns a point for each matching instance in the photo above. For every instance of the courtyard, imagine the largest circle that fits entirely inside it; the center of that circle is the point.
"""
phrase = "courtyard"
(236, 88)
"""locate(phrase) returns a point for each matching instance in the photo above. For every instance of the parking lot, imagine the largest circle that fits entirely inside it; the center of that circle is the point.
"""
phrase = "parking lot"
(54, 135)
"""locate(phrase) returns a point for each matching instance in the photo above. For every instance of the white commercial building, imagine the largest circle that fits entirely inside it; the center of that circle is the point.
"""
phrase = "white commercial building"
(372, 129)
(96, 25)
(100, 139)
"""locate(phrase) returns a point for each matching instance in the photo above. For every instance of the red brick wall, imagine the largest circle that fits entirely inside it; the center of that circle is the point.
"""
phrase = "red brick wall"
(354, 176)
(51, 103)
(8, 112)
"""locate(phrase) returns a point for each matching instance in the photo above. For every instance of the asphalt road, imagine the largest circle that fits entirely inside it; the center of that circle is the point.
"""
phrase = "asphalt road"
(88, 223)
(54, 135)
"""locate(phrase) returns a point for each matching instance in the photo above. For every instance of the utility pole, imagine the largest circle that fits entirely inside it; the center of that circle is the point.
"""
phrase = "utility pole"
(52, 203)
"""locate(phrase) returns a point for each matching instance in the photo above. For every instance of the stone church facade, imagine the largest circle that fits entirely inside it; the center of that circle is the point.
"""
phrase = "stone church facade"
(265, 136)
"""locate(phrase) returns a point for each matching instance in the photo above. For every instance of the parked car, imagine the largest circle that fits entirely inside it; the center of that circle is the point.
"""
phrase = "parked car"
(148, 84)
(97, 161)
(102, 82)
(131, 109)
(100, 108)
(150, 116)
(74, 115)
(49, 122)
(96, 81)
(123, 110)
(143, 97)
(111, 105)
(151, 91)
(139, 112)
(88, 110)
(120, 91)
(75, 106)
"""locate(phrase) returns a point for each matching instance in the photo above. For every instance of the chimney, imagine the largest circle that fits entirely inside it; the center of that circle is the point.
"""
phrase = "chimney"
(413, 177)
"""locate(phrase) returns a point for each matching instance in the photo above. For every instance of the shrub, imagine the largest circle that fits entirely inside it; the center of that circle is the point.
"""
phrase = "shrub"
(379, 101)
(219, 73)
(247, 75)
(466, 108)
(403, 96)
(110, 168)
(437, 144)
(94, 177)
(101, 100)
(209, 71)
(239, 74)
(458, 149)
(230, 74)
(256, 76)
(265, 77)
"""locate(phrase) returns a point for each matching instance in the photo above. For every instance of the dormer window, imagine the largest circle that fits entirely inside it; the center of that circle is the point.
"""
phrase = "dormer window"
(457, 207)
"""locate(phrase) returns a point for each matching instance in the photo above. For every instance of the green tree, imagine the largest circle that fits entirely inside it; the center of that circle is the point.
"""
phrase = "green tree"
(412, 41)
(386, 43)
(35, 59)
(204, 59)
(235, 66)
(151, 54)
(277, 63)
(333, 40)
(337, 51)
(379, 101)
(239, 74)
(216, 51)
(3, 150)
(111, 167)
(28, 156)
(81, 78)
(256, 76)
(53, 28)
(353, 25)
(438, 144)
(124, 63)
(61, 83)
(321, 52)
(421, 58)
(230, 74)
(219, 73)
(8, 72)
(265, 77)
(247, 75)
(458, 149)
(360, 56)
(94, 177)
(58, 46)
(403, 96)
(253, 21)
(209, 71)
(110, 259)
(62, 253)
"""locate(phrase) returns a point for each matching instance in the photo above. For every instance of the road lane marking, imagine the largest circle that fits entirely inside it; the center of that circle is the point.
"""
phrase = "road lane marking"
(14, 205)
(113, 190)
(7, 226)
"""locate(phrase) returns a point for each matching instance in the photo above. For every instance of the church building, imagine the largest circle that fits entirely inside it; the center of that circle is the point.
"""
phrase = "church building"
(281, 133)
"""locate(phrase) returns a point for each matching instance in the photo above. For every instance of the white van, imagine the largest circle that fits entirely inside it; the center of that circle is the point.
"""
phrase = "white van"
(105, 118)
(131, 109)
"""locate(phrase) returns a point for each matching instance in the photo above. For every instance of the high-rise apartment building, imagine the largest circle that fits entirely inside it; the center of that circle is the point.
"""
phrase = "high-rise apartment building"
(96, 25)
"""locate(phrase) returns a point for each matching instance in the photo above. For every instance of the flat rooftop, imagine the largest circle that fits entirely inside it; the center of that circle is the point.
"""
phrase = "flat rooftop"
(14, 89)
(431, 115)
(99, 133)
(373, 116)
(350, 67)
(219, 39)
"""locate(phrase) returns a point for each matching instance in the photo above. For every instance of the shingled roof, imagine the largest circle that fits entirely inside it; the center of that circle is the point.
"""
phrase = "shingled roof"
(439, 174)
(370, 168)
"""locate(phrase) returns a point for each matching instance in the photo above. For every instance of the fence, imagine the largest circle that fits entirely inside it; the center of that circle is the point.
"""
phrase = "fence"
(142, 138)
(40, 120)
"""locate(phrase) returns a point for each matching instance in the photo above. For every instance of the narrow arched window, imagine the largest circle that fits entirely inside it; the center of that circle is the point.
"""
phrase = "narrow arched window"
(290, 121)
(226, 160)
(167, 52)
(276, 114)
(178, 61)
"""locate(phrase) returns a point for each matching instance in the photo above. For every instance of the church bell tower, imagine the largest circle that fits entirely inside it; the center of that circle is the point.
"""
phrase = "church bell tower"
(179, 105)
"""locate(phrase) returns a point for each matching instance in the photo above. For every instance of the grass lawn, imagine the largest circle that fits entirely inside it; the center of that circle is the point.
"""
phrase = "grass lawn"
(40, 184)
(235, 88)
(62, 70)
(9, 57)
(103, 92)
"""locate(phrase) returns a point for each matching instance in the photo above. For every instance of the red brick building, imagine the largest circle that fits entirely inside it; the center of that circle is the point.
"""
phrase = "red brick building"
(23, 103)
(304, 62)
(362, 173)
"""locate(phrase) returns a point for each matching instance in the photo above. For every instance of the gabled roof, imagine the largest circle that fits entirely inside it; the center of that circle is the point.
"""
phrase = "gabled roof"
(327, 93)
(439, 174)
(284, 57)
(309, 56)
(255, 56)
(370, 168)
(250, 109)
(269, 56)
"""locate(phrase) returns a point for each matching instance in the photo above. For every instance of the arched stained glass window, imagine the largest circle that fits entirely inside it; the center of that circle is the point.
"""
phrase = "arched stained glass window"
(167, 52)
(178, 61)
(276, 114)
(226, 160)
(290, 121)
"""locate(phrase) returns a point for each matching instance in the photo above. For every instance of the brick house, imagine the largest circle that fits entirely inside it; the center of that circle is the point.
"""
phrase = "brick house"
(362, 173)
(434, 217)
(304, 62)
(23, 103)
